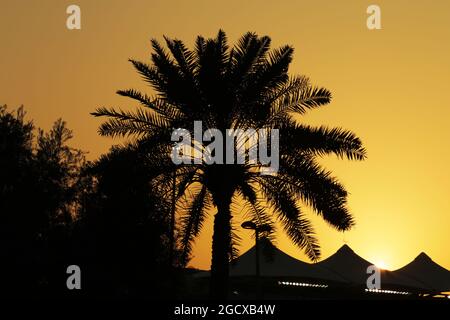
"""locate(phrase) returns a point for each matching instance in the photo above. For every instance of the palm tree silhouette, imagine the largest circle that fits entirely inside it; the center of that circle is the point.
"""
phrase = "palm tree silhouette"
(246, 86)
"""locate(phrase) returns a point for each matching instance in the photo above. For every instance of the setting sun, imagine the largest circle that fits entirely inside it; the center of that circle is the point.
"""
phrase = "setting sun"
(381, 264)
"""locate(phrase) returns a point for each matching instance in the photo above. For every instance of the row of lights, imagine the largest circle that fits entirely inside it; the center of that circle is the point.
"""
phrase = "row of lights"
(387, 291)
(302, 284)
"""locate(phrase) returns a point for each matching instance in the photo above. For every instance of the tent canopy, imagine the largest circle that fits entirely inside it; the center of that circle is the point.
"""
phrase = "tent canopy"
(348, 265)
(353, 268)
(275, 263)
(427, 272)
(343, 267)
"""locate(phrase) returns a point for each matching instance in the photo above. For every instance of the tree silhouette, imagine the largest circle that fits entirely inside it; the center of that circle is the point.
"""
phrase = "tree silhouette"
(123, 228)
(39, 187)
(244, 87)
(109, 216)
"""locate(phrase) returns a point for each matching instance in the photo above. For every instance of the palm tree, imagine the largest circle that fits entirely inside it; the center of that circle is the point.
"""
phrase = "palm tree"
(244, 87)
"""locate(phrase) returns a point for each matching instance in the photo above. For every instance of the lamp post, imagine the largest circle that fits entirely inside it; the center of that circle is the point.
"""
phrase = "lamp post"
(172, 221)
(258, 229)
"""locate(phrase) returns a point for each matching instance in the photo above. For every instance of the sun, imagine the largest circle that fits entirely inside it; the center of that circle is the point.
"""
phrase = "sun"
(381, 264)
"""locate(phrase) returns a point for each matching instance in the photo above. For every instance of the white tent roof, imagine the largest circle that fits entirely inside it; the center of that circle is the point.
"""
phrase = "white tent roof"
(353, 268)
(344, 266)
(348, 265)
(278, 264)
(427, 272)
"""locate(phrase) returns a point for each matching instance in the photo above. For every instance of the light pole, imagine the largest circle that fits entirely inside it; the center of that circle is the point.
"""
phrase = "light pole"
(258, 228)
(172, 220)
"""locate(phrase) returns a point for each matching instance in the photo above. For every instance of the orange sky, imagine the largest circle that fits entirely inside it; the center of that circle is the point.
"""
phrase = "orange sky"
(390, 86)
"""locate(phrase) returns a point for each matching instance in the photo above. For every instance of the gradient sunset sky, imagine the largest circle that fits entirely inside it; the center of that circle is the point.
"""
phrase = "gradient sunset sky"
(389, 86)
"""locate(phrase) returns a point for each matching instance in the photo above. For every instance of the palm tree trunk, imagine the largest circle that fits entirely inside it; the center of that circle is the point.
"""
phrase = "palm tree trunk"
(220, 251)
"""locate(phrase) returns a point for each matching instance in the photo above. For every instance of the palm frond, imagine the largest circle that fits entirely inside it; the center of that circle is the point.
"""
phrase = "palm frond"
(156, 104)
(297, 227)
(256, 212)
(303, 98)
(222, 46)
(183, 56)
(235, 240)
(151, 75)
(272, 73)
(191, 222)
(248, 54)
(161, 59)
(317, 188)
(186, 178)
(123, 123)
(321, 141)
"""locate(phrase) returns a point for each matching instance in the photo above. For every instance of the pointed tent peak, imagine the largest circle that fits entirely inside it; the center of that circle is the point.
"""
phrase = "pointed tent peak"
(423, 257)
(266, 247)
(345, 248)
(345, 256)
(428, 272)
(348, 265)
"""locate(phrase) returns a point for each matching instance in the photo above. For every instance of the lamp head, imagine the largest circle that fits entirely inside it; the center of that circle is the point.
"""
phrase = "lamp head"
(248, 225)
